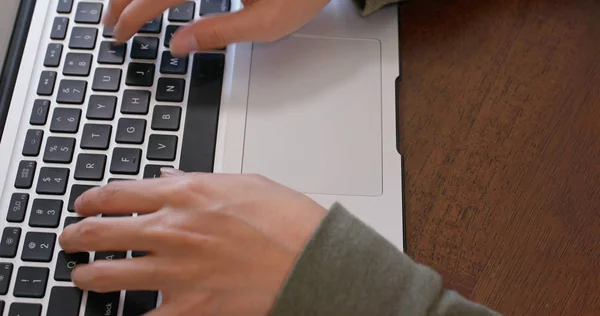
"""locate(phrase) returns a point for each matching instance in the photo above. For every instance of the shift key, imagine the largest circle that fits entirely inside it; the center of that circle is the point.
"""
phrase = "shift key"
(25, 174)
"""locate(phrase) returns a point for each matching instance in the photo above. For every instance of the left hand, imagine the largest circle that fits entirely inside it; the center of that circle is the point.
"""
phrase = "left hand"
(216, 244)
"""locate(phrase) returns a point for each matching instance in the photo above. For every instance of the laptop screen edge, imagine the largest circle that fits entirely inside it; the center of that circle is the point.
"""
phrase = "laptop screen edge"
(12, 58)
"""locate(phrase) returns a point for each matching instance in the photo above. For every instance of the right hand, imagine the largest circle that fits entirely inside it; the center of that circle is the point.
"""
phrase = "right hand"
(258, 21)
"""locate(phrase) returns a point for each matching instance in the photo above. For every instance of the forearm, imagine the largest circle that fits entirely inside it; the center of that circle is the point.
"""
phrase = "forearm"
(348, 269)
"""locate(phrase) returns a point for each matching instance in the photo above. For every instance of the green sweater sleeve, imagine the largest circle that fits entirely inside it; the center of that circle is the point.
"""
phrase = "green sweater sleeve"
(348, 269)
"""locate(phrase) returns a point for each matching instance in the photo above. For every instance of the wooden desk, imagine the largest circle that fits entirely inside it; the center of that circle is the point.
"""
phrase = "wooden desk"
(500, 129)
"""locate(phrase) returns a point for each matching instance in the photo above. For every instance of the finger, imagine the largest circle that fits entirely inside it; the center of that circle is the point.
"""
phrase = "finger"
(221, 30)
(123, 197)
(137, 13)
(114, 11)
(143, 273)
(108, 234)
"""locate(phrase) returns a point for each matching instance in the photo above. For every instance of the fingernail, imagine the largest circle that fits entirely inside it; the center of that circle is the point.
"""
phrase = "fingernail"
(171, 172)
(184, 43)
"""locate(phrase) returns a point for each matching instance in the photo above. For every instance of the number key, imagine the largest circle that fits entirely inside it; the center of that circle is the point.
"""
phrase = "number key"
(83, 38)
(88, 12)
(59, 149)
(38, 247)
(77, 64)
(45, 213)
(65, 120)
(71, 91)
(53, 181)
(31, 282)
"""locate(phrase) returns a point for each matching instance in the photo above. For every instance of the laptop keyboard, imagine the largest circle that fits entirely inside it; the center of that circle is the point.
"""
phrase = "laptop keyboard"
(100, 113)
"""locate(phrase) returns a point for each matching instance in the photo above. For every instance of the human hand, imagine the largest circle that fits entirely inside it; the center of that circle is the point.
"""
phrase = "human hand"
(258, 21)
(216, 244)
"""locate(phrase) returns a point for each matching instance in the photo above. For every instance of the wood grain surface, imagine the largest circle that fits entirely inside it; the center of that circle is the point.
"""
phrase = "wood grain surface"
(500, 131)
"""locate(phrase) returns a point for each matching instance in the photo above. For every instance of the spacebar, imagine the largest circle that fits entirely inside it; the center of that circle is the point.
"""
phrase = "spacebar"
(202, 113)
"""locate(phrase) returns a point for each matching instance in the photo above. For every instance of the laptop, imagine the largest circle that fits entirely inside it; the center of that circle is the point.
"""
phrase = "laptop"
(315, 111)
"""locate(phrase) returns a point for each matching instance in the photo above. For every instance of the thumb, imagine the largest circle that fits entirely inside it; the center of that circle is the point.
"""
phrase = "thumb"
(218, 31)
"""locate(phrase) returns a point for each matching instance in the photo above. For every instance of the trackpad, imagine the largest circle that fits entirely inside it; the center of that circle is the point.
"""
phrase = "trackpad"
(314, 115)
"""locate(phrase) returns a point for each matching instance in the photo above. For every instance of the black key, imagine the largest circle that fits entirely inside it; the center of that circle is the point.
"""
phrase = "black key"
(139, 302)
(71, 91)
(173, 65)
(110, 255)
(10, 242)
(202, 112)
(46, 83)
(96, 136)
(33, 142)
(2, 307)
(25, 174)
(53, 181)
(108, 31)
(137, 254)
(135, 102)
(64, 6)
(183, 12)
(76, 191)
(53, 55)
(102, 304)
(38, 247)
(17, 207)
(64, 301)
(126, 161)
(131, 131)
(101, 107)
(5, 277)
(72, 220)
(39, 113)
(111, 53)
(171, 29)
(212, 6)
(59, 149)
(88, 12)
(45, 213)
(140, 74)
(59, 28)
(170, 89)
(107, 79)
(83, 38)
(166, 118)
(25, 309)
(153, 171)
(118, 179)
(90, 167)
(66, 262)
(65, 120)
(162, 147)
(77, 64)
(31, 282)
(144, 47)
(154, 26)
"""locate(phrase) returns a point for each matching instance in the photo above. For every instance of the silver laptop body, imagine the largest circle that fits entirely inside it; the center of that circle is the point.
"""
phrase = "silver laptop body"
(315, 111)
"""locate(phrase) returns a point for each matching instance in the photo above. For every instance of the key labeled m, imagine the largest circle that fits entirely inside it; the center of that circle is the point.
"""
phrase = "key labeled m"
(174, 61)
